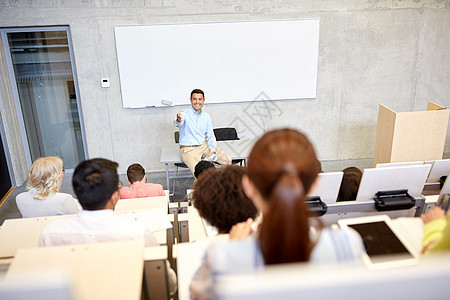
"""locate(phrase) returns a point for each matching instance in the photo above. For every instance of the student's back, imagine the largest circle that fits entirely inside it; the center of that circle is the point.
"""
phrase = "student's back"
(43, 197)
(95, 183)
(139, 187)
(282, 169)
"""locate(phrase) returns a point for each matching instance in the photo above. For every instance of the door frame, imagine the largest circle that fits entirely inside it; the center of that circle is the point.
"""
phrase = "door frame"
(15, 92)
(7, 156)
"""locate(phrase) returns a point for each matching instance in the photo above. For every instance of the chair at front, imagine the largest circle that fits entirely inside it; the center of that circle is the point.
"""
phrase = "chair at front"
(228, 134)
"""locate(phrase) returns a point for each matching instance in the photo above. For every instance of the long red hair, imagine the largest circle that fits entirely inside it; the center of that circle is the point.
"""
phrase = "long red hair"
(283, 166)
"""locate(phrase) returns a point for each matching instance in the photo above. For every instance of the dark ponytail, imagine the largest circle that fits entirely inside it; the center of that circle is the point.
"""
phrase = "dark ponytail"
(284, 233)
(283, 166)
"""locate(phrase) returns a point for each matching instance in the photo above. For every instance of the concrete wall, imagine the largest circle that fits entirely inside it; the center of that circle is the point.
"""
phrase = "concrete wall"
(390, 52)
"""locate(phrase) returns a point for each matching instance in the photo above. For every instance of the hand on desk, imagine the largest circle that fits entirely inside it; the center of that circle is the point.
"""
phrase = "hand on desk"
(241, 230)
(179, 117)
(433, 214)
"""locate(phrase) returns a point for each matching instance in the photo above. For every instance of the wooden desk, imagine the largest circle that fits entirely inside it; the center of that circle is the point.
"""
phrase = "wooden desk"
(99, 271)
(22, 233)
(189, 258)
(142, 203)
(156, 281)
(25, 233)
(191, 226)
(170, 154)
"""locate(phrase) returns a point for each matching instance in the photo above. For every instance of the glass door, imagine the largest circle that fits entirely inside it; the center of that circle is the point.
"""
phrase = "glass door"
(42, 73)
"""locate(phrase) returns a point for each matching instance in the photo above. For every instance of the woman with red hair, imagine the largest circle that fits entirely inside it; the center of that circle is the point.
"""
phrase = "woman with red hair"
(282, 169)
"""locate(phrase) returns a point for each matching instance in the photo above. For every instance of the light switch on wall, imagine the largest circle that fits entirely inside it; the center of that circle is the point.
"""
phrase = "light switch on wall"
(105, 82)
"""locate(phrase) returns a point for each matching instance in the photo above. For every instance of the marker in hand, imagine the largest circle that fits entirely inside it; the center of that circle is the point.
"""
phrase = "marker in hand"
(179, 117)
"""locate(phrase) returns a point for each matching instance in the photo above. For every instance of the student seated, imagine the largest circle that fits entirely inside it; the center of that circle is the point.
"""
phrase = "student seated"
(350, 184)
(139, 188)
(436, 231)
(202, 166)
(43, 197)
(282, 169)
(96, 184)
(220, 199)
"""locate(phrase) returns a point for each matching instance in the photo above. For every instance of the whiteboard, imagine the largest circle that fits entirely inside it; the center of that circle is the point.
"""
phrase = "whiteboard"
(230, 62)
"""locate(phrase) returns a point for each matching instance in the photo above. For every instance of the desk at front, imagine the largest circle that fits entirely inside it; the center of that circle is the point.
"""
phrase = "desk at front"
(170, 154)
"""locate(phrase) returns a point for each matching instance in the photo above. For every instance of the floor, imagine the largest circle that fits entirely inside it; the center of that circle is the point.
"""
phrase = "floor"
(9, 209)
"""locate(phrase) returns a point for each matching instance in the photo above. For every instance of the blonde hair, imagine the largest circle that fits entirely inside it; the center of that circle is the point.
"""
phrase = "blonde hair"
(45, 176)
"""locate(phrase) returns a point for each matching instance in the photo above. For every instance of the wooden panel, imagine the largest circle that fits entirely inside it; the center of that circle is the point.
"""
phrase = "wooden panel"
(385, 133)
(433, 106)
(100, 271)
(142, 203)
(419, 135)
(22, 233)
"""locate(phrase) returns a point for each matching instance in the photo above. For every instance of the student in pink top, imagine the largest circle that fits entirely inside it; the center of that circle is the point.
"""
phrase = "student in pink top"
(139, 188)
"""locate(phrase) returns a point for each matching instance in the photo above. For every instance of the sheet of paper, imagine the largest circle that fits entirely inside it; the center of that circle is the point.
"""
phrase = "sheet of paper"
(155, 219)
(210, 158)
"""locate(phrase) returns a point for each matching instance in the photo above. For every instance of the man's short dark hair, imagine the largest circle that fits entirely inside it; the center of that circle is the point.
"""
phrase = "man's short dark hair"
(202, 166)
(197, 91)
(135, 172)
(94, 181)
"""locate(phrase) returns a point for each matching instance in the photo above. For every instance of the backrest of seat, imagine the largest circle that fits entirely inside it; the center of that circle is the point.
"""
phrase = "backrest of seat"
(143, 203)
(226, 134)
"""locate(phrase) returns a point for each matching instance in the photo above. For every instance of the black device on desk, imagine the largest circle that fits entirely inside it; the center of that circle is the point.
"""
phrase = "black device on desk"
(393, 200)
(316, 206)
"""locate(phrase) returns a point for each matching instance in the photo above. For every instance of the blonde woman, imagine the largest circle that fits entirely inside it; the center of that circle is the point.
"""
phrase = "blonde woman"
(43, 197)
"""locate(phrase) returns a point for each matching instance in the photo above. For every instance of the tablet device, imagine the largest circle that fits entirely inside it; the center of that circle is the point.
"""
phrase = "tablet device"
(385, 247)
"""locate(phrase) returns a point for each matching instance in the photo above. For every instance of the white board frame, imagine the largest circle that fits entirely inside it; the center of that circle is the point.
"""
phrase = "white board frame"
(230, 61)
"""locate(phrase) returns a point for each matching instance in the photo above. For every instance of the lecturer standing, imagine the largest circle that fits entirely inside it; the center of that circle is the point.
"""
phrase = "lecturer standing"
(197, 140)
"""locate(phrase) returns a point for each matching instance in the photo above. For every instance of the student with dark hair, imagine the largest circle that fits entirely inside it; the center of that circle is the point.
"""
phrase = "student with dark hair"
(220, 199)
(350, 184)
(139, 187)
(202, 166)
(282, 169)
(197, 139)
(95, 183)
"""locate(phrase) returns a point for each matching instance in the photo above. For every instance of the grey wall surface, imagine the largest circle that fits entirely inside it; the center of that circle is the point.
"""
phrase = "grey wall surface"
(396, 53)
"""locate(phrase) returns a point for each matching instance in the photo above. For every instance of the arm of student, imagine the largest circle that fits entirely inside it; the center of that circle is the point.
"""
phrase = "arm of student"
(241, 230)
(150, 239)
(202, 283)
(172, 278)
(435, 223)
(161, 191)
